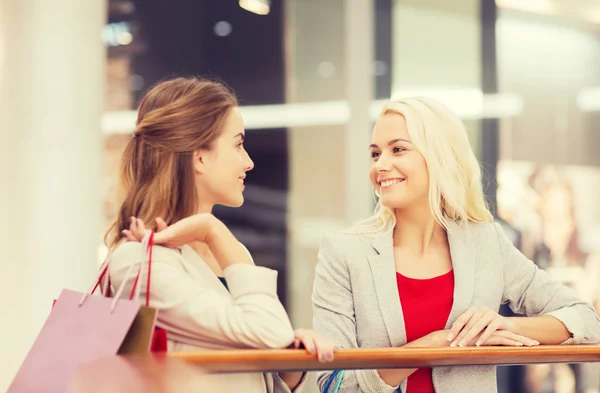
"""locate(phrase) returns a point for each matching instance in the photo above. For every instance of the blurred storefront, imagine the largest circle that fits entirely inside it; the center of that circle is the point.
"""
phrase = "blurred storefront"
(311, 75)
(548, 53)
(524, 75)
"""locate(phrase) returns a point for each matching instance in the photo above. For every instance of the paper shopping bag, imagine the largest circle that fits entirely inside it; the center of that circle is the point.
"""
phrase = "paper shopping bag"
(140, 336)
(80, 328)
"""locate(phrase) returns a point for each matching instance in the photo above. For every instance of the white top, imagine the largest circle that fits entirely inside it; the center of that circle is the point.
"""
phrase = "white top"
(200, 314)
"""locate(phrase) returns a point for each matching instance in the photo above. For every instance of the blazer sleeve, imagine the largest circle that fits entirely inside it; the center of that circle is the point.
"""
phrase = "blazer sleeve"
(531, 291)
(252, 317)
(333, 317)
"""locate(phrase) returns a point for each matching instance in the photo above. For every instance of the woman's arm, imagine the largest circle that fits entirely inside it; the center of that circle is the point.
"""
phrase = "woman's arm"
(252, 317)
(545, 329)
(229, 253)
(333, 317)
(314, 344)
(555, 313)
(205, 228)
(439, 339)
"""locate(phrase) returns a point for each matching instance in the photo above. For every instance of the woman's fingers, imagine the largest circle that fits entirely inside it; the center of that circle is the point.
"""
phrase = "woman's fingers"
(475, 316)
(491, 329)
(129, 236)
(508, 338)
(137, 228)
(315, 344)
(476, 328)
(306, 340)
(460, 322)
(515, 337)
(325, 349)
(160, 224)
(504, 341)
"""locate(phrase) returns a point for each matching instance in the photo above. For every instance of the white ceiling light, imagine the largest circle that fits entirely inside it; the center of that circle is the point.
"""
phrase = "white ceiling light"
(466, 103)
(260, 7)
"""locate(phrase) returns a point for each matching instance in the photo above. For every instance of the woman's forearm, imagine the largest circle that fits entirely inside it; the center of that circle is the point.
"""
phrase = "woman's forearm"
(395, 377)
(225, 247)
(546, 329)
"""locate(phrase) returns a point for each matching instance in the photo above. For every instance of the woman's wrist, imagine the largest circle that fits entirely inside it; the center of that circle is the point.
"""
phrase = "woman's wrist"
(211, 229)
(438, 338)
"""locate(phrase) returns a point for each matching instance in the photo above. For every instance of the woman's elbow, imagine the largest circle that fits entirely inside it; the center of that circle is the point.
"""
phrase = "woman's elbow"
(271, 331)
(590, 322)
(594, 331)
(275, 337)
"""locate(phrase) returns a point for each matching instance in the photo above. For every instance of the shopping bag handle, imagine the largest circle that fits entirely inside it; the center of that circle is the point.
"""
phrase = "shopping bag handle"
(147, 243)
(104, 269)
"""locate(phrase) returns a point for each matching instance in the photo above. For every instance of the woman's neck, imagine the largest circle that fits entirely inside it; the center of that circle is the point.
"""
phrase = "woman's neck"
(417, 230)
(204, 208)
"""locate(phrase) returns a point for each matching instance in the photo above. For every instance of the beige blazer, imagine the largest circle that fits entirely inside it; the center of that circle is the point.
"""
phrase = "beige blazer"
(200, 314)
(356, 301)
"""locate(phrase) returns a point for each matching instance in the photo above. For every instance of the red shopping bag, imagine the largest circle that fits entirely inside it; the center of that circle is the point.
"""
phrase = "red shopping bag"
(144, 335)
(80, 328)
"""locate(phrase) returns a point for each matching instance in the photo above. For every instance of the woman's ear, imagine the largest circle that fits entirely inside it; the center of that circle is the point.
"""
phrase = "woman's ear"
(199, 161)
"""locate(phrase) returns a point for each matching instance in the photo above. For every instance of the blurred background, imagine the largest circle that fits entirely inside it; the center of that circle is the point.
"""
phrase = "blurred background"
(524, 75)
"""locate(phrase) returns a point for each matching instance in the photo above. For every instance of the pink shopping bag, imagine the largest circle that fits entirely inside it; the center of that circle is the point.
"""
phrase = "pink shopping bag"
(80, 328)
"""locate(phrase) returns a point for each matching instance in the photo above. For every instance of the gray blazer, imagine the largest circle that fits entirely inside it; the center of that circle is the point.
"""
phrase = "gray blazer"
(356, 302)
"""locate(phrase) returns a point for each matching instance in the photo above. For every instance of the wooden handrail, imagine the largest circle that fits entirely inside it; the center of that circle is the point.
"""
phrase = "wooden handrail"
(249, 360)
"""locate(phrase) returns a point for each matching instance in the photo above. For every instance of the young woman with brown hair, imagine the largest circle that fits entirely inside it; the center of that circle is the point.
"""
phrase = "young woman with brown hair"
(187, 155)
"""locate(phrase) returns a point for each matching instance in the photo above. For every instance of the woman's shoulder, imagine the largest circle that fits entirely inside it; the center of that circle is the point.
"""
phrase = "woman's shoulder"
(484, 235)
(351, 242)
(476, 229)
(128, 253)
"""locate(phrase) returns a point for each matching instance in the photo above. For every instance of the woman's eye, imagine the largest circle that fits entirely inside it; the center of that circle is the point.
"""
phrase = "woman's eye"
(374, 154)
(399, 149)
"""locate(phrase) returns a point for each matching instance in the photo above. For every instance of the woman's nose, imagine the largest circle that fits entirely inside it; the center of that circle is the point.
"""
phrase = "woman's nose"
(249, 163)
(382, 164)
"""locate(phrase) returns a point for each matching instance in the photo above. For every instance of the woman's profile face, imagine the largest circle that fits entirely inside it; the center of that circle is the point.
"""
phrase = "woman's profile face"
(225, 165)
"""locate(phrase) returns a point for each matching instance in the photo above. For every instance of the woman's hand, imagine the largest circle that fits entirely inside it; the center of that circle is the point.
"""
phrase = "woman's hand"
(505, 338)
(313, 343)
(204, 228)
(137, 229)
(499, 337)
(323, 347)
(438, 339)
(198, 227)
(480, 325)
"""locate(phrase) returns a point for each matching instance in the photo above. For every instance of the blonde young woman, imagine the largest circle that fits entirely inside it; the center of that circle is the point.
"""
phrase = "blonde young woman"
(187, 155)
(431, 268)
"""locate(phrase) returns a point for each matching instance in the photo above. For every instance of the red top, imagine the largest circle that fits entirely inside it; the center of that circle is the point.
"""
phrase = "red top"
(426, 304)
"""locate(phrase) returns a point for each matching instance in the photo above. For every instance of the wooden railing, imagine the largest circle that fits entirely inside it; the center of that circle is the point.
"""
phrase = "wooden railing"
(363, 358)
(179, 372)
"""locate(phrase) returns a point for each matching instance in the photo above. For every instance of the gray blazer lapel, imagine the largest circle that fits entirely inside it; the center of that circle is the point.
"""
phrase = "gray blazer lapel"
(464, 262)
(384, 277)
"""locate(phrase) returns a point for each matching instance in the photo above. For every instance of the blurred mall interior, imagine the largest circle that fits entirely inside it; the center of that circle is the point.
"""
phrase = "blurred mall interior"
(311, 75)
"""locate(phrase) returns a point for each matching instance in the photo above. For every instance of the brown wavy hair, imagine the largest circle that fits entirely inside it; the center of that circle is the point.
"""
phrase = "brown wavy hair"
(175, 118)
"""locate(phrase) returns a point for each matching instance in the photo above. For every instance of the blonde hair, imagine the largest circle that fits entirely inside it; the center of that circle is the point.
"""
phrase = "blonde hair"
(175, 118)
(455, 189)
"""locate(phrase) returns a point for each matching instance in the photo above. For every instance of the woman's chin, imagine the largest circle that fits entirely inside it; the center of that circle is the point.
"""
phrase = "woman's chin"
(394, 202)
(234, 202)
